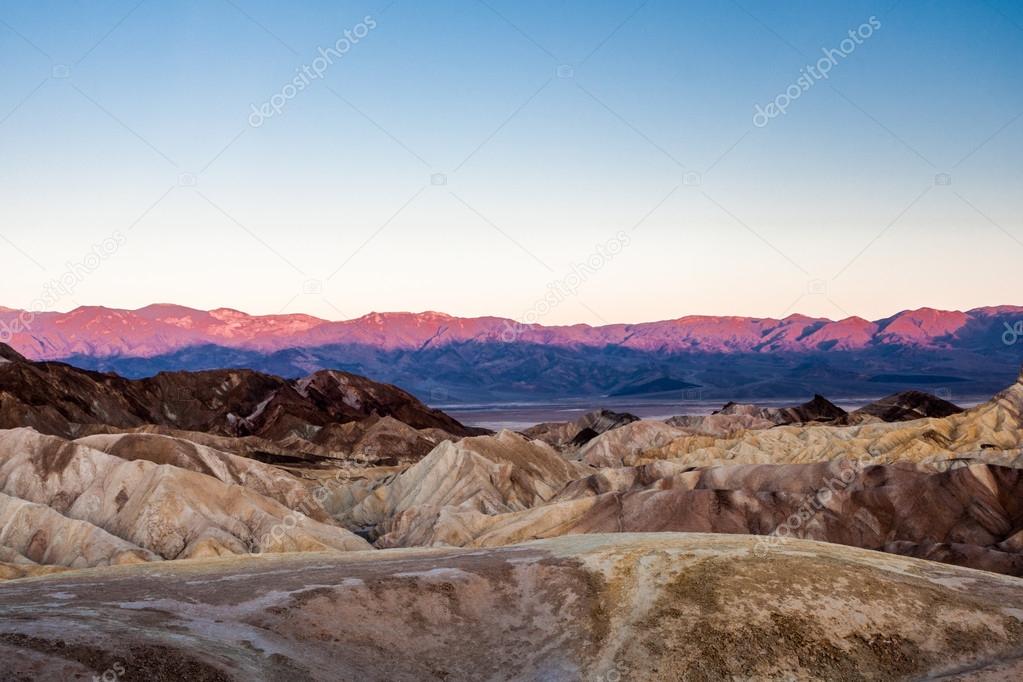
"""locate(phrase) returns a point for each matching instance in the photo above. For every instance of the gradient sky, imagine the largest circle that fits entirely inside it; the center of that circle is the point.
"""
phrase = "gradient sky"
(111, 111)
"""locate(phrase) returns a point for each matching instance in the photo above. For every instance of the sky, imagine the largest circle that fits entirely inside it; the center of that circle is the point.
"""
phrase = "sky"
(554, 162)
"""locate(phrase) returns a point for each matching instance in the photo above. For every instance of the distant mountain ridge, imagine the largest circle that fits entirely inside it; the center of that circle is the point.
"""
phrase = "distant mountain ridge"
(162, 328)
(446, 358)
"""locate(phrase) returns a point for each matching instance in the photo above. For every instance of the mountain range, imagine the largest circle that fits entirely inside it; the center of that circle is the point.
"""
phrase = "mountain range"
(448, 359)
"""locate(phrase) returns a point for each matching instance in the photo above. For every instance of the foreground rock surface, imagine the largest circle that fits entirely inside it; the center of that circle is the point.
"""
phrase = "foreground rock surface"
(633, 607)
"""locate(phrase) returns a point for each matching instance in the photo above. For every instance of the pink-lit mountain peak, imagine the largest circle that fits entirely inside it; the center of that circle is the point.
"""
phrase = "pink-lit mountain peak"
(405, 318)
(163, 328)
(998, 310)
(85, 317)
(923, 323)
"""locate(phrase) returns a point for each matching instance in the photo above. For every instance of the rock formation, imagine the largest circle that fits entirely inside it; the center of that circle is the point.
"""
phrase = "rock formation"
(598, 607)
(975, 511)
(489, 474)
(58, 399)
(577, 433)
(817, 409)
(906, 406)
(263, 479)
(157, 510)
(991, 432)
(380, 440)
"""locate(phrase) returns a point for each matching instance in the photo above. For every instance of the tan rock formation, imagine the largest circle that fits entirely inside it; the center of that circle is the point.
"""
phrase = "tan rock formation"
(35, 534)
(263, 479)
(621, 446)
(167, 510)
(491, 474)
(991, 432)
(379, 440)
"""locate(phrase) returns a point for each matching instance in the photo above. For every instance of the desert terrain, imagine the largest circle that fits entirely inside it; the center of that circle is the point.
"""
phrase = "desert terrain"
(230, 524)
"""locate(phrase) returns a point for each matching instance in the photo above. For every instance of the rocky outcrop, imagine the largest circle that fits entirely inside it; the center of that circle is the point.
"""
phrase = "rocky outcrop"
(349, 397)
(577, 433)
(977, 508)
(37, 535)
(379, 441)
(719, 425)
(598, 607)
(905, 406)
(26, 569)
(991, 432)
(489, 474)
(619, 447)
(262, 479)
(626, 446)
(59, 399)
(817, 409)
(292, 452)
(167, 510)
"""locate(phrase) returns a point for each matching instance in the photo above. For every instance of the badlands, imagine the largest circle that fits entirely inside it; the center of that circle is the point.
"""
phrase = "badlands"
(229, 524)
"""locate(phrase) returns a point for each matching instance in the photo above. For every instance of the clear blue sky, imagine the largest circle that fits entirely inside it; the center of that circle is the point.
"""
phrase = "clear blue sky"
(555, 126)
